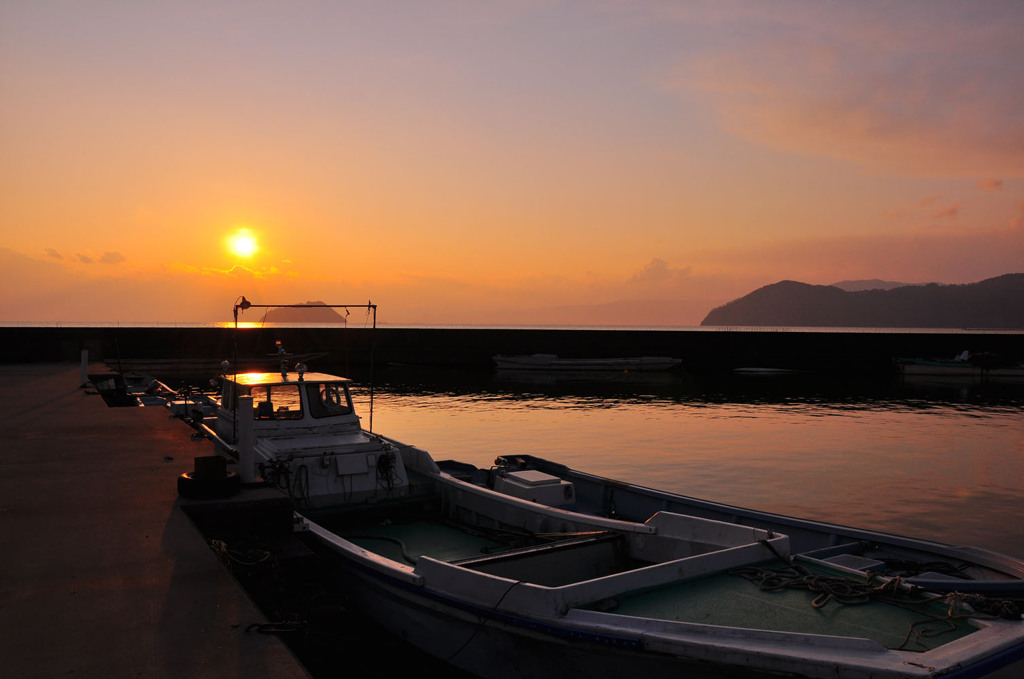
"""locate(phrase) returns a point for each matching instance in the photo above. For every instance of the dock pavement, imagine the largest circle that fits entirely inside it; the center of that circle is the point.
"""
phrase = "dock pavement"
(101, 572)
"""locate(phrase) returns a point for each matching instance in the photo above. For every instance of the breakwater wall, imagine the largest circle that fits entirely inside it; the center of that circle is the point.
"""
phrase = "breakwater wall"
(701, 350)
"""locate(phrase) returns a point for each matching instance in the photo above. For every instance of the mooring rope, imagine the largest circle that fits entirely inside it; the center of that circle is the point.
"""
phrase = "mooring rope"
(251, 557)
(409, 558)
(827, 587)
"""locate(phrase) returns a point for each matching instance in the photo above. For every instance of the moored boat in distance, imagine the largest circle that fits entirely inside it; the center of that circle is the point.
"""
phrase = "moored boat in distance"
(526, 569)
(964, 365)
(554, 362)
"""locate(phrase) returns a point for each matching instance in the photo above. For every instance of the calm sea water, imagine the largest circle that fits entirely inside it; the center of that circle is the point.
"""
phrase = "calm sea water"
(943, 461)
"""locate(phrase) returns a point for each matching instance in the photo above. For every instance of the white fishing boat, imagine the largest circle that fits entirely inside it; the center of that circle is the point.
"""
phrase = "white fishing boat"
(499, 572)
(554, 362)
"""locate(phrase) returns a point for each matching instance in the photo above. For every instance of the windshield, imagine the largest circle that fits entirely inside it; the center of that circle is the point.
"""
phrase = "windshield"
(280, 401)
(327, 400)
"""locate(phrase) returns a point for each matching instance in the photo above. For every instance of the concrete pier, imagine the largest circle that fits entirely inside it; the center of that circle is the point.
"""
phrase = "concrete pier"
(101, 573)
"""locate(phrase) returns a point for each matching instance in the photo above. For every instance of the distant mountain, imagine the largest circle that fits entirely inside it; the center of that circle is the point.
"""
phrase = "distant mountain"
(872, 284)
(993, 303)
(309, 312)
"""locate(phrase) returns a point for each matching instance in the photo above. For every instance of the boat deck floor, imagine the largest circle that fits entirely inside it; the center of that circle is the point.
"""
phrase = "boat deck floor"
(727, 599)
(724, 599)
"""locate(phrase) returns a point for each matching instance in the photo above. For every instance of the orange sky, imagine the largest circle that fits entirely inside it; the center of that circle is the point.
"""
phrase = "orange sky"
(530, 161)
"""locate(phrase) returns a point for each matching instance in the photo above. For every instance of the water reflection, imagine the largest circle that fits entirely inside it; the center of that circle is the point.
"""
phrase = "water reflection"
(936, 460)
(570, 390)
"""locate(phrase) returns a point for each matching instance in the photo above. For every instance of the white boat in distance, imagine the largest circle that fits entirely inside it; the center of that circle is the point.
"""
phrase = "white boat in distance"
(553, 362)
(497, 572)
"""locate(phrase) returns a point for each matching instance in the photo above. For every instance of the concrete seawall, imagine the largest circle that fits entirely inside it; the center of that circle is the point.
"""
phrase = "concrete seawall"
(702, 350)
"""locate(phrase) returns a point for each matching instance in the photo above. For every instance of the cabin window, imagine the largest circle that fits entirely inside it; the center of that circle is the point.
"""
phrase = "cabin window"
(277, 402)
(327, 400)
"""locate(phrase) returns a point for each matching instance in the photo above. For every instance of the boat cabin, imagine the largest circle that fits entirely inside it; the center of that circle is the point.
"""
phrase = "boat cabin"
(306, 440)
(283, 403)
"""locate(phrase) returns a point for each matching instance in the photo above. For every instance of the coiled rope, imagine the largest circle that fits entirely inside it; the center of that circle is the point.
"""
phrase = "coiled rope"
(828, 588)
(852, 592)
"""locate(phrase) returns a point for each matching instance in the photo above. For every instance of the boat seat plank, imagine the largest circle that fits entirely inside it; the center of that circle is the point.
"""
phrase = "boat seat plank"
(541, 549)
(559, 563)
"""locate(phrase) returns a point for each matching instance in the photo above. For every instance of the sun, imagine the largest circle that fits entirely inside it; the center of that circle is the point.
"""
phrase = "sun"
(243, 243)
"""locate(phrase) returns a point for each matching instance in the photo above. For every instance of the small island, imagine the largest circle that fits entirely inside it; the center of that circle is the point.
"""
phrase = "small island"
(307, 312)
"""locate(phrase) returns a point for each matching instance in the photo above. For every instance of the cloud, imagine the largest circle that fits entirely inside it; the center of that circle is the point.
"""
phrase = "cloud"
(112, 258)
(53, 253)
(925, 255)
(937, 209)
(935, 95)
(658, 273)
(1017, 223)
(991, 184)
(50, 291)
(240, 272)
(948, 212)
(106, 258)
